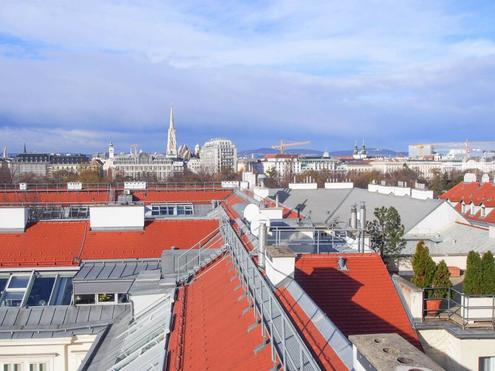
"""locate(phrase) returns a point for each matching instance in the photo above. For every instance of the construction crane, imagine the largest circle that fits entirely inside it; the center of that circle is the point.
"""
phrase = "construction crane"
(283, 145)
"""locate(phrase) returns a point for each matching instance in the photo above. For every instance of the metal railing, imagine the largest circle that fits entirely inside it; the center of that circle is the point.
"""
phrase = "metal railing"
(285, 341)
(465, 310)
(155, 186)
(311, 239)
(191, 259)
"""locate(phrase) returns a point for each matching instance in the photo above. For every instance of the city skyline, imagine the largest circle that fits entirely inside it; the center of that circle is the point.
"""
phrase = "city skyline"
(74, 77)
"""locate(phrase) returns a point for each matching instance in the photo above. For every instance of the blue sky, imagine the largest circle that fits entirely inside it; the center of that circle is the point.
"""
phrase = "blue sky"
(76, 74)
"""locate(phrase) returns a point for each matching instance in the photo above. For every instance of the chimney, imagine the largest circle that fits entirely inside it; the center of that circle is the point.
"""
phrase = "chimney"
(353, 217)
(276, 199)
(280, 263)
(362, 216)
(342, 264)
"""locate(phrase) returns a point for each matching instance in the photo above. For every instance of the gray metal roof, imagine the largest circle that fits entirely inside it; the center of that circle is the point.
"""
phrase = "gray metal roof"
(57, 320)
(135, 342)
(329, 205)
(458, 239)
(114, 269)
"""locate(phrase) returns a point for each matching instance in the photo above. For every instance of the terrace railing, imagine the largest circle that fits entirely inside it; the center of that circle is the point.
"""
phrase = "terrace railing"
(205, 250)
(155, 186)
(286, 343)
(465, 310)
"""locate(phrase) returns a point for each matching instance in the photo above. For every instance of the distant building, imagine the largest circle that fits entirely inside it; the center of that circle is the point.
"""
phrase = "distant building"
(44, 164)
(171, 138)
(141, 165)
(420, 151)
(218, 154)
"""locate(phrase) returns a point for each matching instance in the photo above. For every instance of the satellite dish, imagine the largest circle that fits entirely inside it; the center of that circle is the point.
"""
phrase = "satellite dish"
(251, 212)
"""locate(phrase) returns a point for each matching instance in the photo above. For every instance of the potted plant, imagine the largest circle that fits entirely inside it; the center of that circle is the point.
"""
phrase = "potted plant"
(423, 266)
(440, 288)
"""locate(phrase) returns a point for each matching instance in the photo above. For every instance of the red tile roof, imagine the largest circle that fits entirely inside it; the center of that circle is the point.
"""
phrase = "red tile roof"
(181, 196)
(51, 196)
(361, 300)
(58, 243)
(476, 193)
(472, 192)
(157, 236)
(43, 244)
(210, 331)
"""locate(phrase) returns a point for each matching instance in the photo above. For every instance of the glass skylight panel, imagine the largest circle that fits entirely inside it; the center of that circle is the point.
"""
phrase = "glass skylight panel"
(41, 290)
(62, 292)
(3, 283)
(18, 282)
(12, 299)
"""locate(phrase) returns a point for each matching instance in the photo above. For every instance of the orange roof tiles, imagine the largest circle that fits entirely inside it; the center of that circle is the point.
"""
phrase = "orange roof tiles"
(472, 192)
(157, 236)
(62, 196)
(59, 243)
(210, 332)
(53, 196)
(361, 300)
(43, 244)
(181, 196)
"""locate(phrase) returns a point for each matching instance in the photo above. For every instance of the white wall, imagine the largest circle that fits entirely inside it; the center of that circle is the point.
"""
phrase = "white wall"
(116, 217)
(13, 219)
(459, 261)
(440, 218)
(339, 185)
(74, 186)
(277, 269)
(303, 186)
(413, 296)
(260, 193)
(230, 184)
(272, 213)
(135, 185)
(60, 354)
(142, 302)
(453, 353)
(421, 194)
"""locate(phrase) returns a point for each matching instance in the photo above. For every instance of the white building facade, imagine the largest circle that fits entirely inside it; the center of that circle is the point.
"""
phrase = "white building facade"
(217, 155)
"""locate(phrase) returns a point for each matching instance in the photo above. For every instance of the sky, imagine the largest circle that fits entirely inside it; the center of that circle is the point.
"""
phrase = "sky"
(75, 75)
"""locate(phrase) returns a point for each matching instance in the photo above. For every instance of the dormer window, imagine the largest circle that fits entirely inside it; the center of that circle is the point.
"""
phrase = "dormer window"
(463, 207)
(483, 211)
(472, 209)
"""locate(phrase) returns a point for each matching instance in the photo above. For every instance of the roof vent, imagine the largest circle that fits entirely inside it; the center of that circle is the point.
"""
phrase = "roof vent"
(485, 178)
(342, 263)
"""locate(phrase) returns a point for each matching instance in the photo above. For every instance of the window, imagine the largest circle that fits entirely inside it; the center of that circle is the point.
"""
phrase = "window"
(13, 295)
(487, 363)
(41, 291)
(11, 367)
(62, 292)
(84, 299)
(37, 367)
(19, 282)
(106, 298)
(483, 211)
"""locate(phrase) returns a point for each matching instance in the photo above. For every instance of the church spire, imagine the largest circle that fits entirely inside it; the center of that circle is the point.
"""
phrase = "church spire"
(171, 139)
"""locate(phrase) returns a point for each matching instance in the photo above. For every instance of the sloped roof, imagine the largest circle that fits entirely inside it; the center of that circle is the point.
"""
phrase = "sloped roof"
(327, 205)
(59, 243)
(57, 320)
(99, 196)
(472, 192)
(211, 330)
(360, 300)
